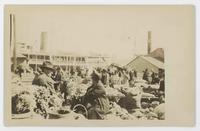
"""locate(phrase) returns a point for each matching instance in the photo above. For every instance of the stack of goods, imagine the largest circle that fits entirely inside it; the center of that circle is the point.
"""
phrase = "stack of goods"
(153, 110)
(22, 98)
(46, 102)
(40, 102)
(160, 111)
(22, 102)
(133, 91)
(116, 112)
(113, 92)
(78, 90)
(66, 113)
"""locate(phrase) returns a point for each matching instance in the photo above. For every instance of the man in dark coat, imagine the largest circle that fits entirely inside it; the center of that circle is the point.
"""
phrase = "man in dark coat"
(162, 84)
(44, 79)
(155, 78)
(96, 100)
(57, 77)
(105, 77)
(145, 74)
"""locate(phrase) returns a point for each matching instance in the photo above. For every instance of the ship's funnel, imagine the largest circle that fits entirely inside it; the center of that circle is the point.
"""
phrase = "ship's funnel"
(149, 43)
(43, 45)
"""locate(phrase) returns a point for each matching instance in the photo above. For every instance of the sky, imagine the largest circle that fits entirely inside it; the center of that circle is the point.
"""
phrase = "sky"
(119, 31)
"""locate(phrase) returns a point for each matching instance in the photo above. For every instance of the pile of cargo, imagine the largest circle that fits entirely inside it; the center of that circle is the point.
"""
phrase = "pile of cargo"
(116, 112)
(49, 105)
(39, 101)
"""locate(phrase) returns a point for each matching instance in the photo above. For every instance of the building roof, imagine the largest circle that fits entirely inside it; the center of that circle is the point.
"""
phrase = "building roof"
(158, 54)
(122, 62)
(149, 59)
(61, 53)
(153, 61)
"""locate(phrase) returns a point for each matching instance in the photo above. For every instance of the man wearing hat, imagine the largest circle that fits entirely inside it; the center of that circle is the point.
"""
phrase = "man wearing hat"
(44, 79)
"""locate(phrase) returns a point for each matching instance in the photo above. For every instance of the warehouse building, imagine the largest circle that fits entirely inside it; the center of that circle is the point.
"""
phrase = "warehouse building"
(140, 63)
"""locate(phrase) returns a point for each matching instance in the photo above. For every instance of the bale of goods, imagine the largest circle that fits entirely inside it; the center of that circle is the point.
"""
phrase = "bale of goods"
(22, 103)
(81, 89)
(22, 98)
(120, 113)
(118, 86)
(151, 116)
(155, 104)
(138, 114)
(68, 116)
(160, 111)
(113, 92)
(126, 103)
(46, 101)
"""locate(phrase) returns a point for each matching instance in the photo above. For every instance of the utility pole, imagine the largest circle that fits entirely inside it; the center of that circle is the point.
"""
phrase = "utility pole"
(11, 23)
(13, 39)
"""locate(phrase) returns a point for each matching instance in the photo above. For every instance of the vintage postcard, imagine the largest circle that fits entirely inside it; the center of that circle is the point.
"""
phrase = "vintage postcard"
(99, 65)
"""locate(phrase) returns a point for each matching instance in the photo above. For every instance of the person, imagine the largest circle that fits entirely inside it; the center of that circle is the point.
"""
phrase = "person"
(155, 78)
(160, 93)
(135, 73)
(58, 74)
(57, 77)
(145, 74)
(162, 84)
(19, 70)
(96, 100)
(161, 72)
(131, 75)
(149, 76)
(125, 78)
(44, 79)
(105, 77)
(23, 68)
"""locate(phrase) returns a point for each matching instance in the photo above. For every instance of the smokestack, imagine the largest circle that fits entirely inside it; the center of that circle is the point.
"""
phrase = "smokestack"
(43, 44)
(149, 43)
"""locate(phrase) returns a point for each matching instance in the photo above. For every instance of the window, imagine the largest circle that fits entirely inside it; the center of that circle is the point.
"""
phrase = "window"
(83, 59)
(32, 57)
(47, 57)
(40, 57)
(62, 58)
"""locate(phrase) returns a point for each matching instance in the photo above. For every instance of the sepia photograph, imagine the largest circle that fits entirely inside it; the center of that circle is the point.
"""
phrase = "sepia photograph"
(83, 63)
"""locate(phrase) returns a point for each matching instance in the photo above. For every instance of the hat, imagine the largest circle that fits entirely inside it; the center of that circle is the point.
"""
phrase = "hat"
(47, 65)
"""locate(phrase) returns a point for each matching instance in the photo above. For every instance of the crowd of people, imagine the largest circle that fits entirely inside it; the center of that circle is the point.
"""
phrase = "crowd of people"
(95, 99)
